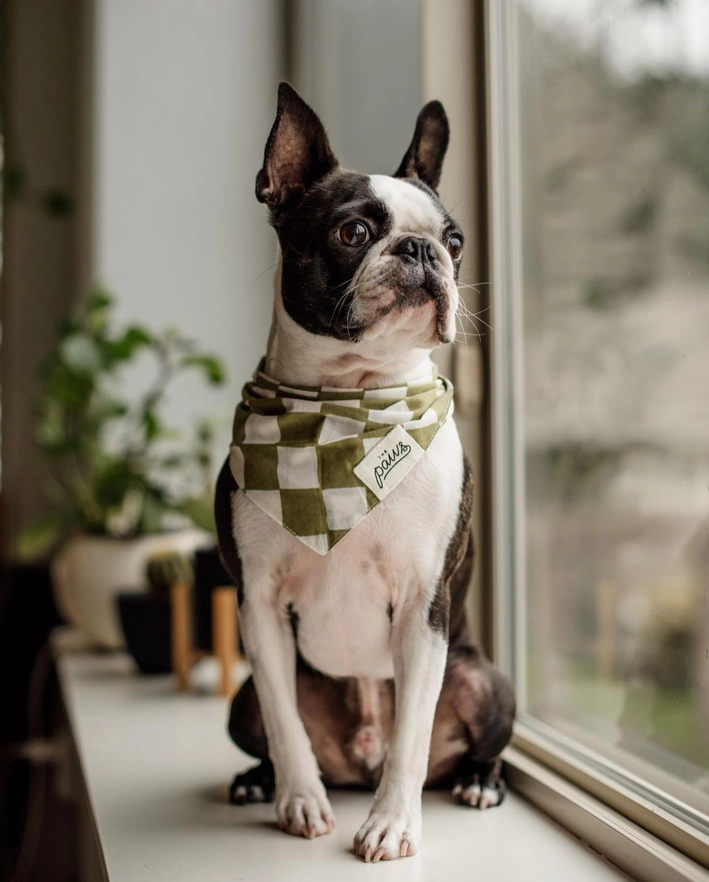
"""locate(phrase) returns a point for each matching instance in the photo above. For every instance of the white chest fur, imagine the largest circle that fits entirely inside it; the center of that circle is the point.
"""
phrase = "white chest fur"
(344, 600)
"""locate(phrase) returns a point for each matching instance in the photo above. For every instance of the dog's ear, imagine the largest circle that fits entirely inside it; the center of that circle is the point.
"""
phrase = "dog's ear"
(297, 154)
(424, 158)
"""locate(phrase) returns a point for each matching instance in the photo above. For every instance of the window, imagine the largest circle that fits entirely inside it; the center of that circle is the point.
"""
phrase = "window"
(599, 113)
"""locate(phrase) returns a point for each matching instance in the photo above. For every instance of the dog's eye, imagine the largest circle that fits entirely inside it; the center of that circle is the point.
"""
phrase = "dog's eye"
(455, 247)
(354, 233)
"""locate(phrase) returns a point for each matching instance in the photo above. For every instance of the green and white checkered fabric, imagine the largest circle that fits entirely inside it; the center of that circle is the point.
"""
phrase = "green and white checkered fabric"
(294, 450)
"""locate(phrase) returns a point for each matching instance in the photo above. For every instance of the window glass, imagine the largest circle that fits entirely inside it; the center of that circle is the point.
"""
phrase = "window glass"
(614, 159)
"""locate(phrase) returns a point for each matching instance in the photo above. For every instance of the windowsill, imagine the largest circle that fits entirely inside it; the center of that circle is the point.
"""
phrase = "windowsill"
(641, 829)
(156, 764)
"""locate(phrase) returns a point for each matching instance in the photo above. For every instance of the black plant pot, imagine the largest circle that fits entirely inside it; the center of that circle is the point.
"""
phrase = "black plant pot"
(208, 575)
(146, 626)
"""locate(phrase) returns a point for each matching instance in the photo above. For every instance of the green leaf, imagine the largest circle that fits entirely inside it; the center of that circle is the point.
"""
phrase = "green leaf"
(125, 346)
(38, 540)
(69, 388)
(107, 409)
(206, 430)
(151, 425)
(210, 364)
(51, 429)
(67, 325)
(58, 447)
(95, 312)
(201, 512)
(98, 300)
(112, 481)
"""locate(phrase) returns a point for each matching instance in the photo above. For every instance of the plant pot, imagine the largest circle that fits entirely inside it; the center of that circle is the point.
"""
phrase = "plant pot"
(145, 619)
(89, 571)
(209, 573)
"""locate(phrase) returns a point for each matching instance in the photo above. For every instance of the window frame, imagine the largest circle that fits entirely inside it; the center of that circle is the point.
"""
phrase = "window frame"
(627, 819)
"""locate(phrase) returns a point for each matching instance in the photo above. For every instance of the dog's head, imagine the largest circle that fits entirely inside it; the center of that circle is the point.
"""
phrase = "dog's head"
(362, 255)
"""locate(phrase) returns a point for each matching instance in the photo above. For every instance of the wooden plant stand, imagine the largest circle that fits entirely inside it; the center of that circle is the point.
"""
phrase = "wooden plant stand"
(225, 635)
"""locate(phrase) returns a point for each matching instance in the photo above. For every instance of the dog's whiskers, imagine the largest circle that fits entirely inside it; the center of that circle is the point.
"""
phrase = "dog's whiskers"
(266, 270)
(460, 317)
(465, 335)
(471, 316)
(338, 305)
(350, 291)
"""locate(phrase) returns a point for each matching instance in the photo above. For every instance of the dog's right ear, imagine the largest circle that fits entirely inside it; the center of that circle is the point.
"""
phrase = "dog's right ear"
(297, 154)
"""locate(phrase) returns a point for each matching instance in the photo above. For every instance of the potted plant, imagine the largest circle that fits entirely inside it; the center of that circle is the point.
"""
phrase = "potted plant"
(123, 485)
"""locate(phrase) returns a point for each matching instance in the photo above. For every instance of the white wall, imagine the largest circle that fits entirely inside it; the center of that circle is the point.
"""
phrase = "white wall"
(184, 98)
(358, 62)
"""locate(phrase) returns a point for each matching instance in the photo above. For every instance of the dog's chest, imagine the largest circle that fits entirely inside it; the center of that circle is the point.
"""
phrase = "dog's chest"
(343, 604)
(342, 615)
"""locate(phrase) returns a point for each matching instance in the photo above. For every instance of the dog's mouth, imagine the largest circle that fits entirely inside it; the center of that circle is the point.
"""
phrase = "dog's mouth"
(414, 297)
(436, 289)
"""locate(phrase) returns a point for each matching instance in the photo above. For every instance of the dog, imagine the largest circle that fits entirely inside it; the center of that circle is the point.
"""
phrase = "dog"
(363, 671)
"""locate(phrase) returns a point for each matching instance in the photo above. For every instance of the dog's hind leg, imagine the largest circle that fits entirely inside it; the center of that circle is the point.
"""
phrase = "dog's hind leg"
(479, 785)
(473, 724)
(257, 784)
(476, 707)
(245, 723)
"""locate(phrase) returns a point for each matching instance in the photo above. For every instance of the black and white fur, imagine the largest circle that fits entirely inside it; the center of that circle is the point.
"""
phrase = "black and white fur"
(362, 669)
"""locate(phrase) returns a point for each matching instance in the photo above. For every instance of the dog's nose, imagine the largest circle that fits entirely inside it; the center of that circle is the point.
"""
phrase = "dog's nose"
(421, 250)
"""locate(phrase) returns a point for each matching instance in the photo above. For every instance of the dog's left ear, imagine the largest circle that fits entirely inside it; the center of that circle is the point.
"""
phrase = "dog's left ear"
(297, 154)
(424, 158)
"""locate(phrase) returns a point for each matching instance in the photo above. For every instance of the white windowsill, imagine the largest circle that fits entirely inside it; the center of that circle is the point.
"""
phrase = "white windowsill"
(156, 764)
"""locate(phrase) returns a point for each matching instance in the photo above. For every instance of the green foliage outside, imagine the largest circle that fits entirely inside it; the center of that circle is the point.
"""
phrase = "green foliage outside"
(668, 717)
(116, 468)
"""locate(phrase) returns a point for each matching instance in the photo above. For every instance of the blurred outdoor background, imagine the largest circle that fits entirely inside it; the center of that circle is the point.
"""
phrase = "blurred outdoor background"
(615, 171)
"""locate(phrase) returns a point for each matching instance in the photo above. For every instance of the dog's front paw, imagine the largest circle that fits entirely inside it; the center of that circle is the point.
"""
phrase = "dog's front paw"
(304, 811)
(387, 835)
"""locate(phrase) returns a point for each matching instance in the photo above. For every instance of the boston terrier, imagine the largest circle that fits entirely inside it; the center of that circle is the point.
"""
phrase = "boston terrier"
(344, 509)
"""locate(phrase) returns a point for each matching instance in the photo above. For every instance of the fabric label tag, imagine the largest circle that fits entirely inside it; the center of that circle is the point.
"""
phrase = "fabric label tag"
(389, 462)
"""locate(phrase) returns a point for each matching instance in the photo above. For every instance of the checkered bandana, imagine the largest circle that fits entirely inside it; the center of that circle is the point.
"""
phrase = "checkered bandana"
(318, 459)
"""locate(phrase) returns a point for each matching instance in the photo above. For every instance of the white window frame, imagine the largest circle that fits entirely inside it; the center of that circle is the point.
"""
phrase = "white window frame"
(609, 805)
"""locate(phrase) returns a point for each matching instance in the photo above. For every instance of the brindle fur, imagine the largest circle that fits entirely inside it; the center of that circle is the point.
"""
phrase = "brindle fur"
(449, 599)
(474, 714)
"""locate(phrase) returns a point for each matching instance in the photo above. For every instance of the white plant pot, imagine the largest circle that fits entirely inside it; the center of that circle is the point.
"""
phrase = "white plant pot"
(89, 571)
